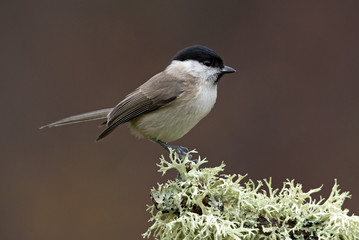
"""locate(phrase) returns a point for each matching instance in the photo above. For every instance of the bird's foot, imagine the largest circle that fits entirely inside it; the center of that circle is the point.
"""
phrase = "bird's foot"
(182, 153)
(180, 150)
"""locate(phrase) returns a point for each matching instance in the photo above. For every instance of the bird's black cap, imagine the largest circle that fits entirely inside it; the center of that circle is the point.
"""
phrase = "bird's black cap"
(201, 54)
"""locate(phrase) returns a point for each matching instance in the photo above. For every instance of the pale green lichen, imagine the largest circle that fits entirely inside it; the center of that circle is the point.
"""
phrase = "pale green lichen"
(206, 205)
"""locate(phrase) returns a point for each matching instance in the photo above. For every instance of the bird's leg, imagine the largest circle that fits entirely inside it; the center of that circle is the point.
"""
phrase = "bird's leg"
(182, 151)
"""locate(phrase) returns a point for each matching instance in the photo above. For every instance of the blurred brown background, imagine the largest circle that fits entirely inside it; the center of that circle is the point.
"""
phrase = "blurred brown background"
(290, 111)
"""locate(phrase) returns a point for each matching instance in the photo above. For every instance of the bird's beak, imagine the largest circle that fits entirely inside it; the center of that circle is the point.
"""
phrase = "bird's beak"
(227, 69)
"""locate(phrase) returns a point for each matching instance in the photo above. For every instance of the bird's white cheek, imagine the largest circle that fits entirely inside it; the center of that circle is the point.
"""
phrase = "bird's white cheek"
(194, 69)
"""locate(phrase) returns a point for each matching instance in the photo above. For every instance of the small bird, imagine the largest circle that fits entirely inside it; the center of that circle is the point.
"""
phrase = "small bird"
(169, 104)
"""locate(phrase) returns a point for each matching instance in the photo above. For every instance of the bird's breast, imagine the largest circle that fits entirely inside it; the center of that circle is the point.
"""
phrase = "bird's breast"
(177, 118)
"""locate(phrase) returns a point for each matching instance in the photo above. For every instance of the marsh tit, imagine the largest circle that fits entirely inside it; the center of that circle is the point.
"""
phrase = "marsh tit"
(169, 104)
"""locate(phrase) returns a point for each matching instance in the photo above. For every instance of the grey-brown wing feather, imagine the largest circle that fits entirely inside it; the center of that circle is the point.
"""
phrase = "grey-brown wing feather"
(153, 94)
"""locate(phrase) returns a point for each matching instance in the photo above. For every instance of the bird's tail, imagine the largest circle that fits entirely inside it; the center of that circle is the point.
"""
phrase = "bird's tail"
(84, 117)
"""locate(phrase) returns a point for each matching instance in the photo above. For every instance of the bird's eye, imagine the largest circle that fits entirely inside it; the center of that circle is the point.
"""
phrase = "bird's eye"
(207, 63)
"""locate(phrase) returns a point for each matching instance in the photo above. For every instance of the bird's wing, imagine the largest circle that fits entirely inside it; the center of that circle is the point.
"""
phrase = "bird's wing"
(153, 94)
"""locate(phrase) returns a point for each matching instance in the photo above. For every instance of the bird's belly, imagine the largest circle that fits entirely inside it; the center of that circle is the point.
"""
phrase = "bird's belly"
(174, 120)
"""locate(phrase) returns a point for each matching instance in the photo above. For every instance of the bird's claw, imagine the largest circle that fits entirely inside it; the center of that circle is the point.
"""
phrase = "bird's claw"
(181, 151)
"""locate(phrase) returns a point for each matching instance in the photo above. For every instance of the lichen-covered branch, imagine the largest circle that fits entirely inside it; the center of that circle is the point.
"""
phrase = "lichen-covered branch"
(207, 205)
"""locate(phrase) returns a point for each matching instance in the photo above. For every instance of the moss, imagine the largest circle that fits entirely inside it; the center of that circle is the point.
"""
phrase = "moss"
(207, 205)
